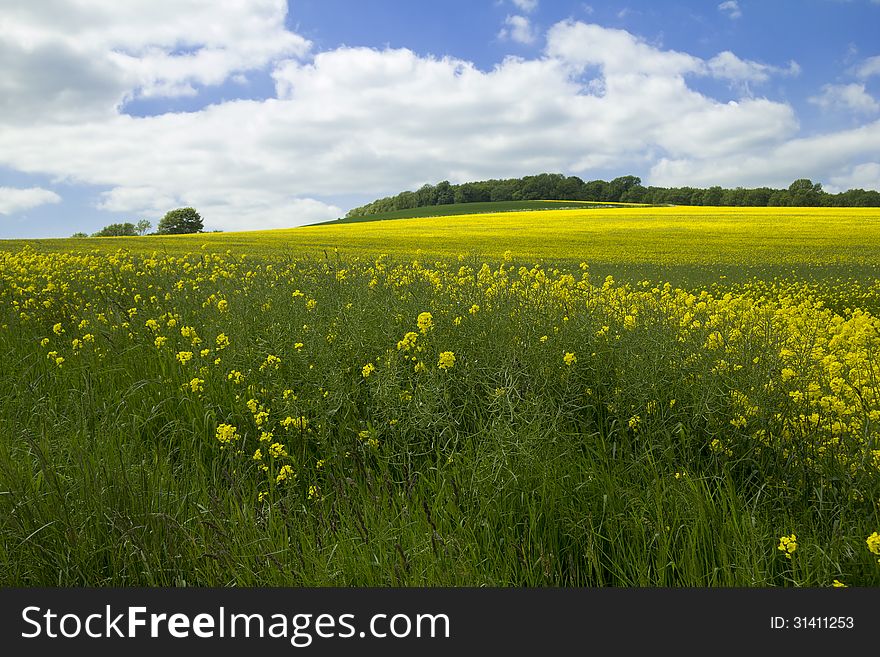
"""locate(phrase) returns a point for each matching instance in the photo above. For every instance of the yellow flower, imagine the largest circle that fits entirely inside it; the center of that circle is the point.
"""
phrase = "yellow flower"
(197, 385)
(276, 450)
(271, 362)
(222, 305)
(258, 455)
(57, 329)
(368, 369)
(474, 309)
(447, 360)
(184, 357)
(298, 345)
(160, 341)
(408, 342)
(569, 358)
(313, 492)
(425, 322)
(222, 341)
(419, 367)
(873, 542)
(265, 436)
(44, 342)
(227, 434)
(285, 473)
(235, 376)
(838, 584)
(787, 545)
(297, 422)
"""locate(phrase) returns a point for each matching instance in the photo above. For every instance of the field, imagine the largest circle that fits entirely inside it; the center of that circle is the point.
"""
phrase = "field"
(624, 397)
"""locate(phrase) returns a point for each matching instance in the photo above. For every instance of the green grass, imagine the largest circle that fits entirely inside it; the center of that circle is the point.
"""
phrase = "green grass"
(511, 469)
(478, 208)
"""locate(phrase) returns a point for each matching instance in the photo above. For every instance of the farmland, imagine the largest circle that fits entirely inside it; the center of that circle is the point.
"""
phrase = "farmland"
(626, 396)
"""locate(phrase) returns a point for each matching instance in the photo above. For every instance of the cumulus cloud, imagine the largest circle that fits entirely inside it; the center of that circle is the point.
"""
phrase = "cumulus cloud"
(362, 121)
(869, 67)
(731, 8)
(63, 60)
(519, 29)
(861, 176)
(527, 6)
(14, 199)
(852, 97)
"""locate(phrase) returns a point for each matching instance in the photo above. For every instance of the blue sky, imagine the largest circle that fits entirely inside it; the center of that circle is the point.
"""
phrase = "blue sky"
(270, 114)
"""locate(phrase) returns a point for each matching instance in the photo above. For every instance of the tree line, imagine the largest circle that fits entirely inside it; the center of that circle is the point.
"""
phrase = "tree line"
(625, 189)
(175, 222)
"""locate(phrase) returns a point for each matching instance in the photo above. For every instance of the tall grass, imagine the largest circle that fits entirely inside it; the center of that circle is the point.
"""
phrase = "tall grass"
(511, 468)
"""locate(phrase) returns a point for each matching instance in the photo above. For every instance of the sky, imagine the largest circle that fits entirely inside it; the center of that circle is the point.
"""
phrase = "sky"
(268, 114)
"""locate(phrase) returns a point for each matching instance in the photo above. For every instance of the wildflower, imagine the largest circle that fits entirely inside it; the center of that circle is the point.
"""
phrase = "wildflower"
(408, 342)
(227, 434)
(873, 542)
(88, 338)
(271, 362)
(320, 464)
(44, 342)
(184, 357)
(204, 352)
(838, 584)
(284, 474)
(447, 360)
(419, 367)
(474, 309)
(262, 496)
(223, 305)
(288, 394)
(276, 450)
(313, 492)
(59, 361)
(569, 358)
(57, 329)
(298, 345)
(634, 422)
(222, 341)
(235, 376)
(425, 322)
(368, 369)
(296, 422)
(160, 341)
(787, 545)
(544, 339)
(197, 385)
(152, 324)
(258, 455)
(265, 436)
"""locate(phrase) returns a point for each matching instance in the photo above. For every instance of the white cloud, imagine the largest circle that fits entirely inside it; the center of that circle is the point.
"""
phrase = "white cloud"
(85, 58)
(852, 97)
(819, 158)
(361, 121)
(527, 6)
(861, 176)
(869, 67)
(13, 199)
(727, 66)
(519, 29)
(731, 8)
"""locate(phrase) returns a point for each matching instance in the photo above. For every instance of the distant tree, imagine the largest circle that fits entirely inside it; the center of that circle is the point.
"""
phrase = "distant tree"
(803, 192)
(143, 226)
(180, 221)
(80, 235)
(127, 229)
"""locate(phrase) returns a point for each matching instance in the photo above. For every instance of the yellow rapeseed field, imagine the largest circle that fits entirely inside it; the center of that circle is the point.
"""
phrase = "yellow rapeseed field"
(284, 367)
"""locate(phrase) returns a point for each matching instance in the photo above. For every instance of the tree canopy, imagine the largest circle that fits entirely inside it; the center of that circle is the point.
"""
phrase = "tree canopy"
(180, 221)
(625, 189)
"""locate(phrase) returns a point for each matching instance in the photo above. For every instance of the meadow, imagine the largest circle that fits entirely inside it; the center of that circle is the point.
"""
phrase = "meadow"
(598, 397)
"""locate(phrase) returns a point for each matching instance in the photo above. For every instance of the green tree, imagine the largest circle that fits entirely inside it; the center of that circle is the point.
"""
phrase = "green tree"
(80, 234)
(143, 226)
(180, 221)
(127, 229)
